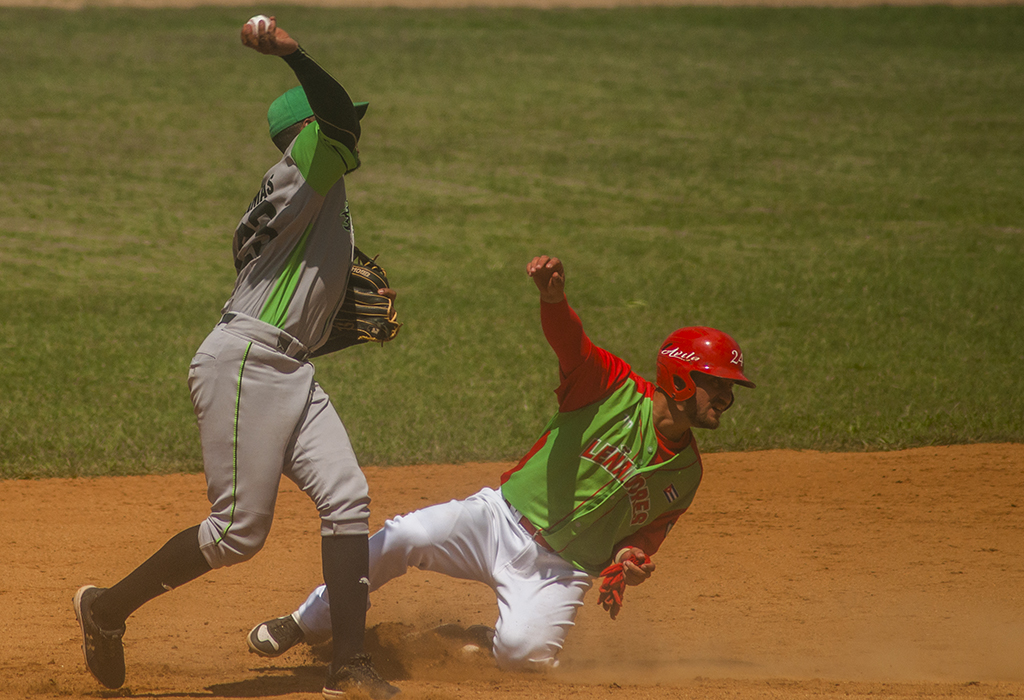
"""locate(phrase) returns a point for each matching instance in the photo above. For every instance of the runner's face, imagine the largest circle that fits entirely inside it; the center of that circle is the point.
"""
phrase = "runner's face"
(711, 399)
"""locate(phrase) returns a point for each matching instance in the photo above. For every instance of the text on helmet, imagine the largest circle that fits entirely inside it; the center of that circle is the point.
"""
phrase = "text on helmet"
(677, 354)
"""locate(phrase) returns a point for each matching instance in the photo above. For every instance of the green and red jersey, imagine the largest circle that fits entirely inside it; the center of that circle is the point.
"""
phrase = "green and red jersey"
(601, 477)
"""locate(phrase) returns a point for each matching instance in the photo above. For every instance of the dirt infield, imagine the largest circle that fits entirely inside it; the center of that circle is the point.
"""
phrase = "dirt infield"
(794, 575)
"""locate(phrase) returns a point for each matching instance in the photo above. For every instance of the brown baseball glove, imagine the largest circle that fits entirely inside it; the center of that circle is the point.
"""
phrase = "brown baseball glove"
(366, 315)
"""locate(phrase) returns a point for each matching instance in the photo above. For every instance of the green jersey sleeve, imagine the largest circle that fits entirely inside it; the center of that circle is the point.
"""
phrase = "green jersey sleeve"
(322, 160)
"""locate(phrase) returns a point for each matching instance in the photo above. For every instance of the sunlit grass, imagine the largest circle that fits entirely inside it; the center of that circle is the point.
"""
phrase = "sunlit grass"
(838, 189)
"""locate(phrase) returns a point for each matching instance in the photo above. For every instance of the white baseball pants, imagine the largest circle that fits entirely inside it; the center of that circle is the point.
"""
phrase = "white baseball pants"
(477, 539)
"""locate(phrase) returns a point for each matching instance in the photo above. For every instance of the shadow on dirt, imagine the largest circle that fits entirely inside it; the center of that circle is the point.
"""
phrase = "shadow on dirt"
(399, 652)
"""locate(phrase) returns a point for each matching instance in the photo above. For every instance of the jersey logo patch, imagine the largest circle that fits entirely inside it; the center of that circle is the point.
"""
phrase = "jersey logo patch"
(670, 493)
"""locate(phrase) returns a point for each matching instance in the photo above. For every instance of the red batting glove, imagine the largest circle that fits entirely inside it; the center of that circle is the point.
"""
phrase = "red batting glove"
(613, 585)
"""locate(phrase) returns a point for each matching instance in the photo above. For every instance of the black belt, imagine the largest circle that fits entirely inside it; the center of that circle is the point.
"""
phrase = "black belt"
(285, 343)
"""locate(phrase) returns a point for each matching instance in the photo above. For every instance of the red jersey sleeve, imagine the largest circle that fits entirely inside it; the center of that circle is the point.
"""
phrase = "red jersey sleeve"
(587, 373)
(650, 536)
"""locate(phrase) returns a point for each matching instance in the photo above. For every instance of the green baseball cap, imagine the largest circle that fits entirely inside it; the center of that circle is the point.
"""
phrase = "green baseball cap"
(292, 107)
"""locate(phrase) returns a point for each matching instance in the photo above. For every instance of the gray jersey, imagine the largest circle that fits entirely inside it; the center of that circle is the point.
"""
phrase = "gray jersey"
(293, 248)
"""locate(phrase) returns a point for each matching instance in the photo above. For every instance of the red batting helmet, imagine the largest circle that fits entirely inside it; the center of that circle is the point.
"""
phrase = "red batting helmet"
(698, 349)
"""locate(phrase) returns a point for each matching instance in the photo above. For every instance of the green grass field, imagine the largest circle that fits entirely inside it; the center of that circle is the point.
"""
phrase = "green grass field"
(841, 190)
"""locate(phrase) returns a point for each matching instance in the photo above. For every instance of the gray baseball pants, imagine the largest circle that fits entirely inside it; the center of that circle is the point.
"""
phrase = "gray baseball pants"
(262, 415)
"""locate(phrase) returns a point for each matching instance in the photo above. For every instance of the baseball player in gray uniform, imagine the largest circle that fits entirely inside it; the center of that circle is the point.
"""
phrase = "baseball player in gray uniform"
(261, 412)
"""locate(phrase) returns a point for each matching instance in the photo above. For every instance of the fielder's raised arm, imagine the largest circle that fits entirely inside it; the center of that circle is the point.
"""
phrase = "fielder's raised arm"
(329, 102)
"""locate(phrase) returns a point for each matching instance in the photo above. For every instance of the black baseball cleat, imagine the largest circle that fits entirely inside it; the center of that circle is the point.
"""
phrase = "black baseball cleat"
(357, 674)
(274, 637)
(104, 652)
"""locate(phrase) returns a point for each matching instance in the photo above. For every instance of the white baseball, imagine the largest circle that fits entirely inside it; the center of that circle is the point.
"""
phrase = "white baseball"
(470, 649)
(254, 22)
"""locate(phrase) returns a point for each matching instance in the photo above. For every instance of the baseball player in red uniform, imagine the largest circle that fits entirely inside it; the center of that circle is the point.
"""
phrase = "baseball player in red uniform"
(261, 412)
(594, 497)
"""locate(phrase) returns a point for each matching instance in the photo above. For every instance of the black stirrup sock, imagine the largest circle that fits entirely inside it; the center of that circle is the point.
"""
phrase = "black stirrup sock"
(346, 561)
(176, 563)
